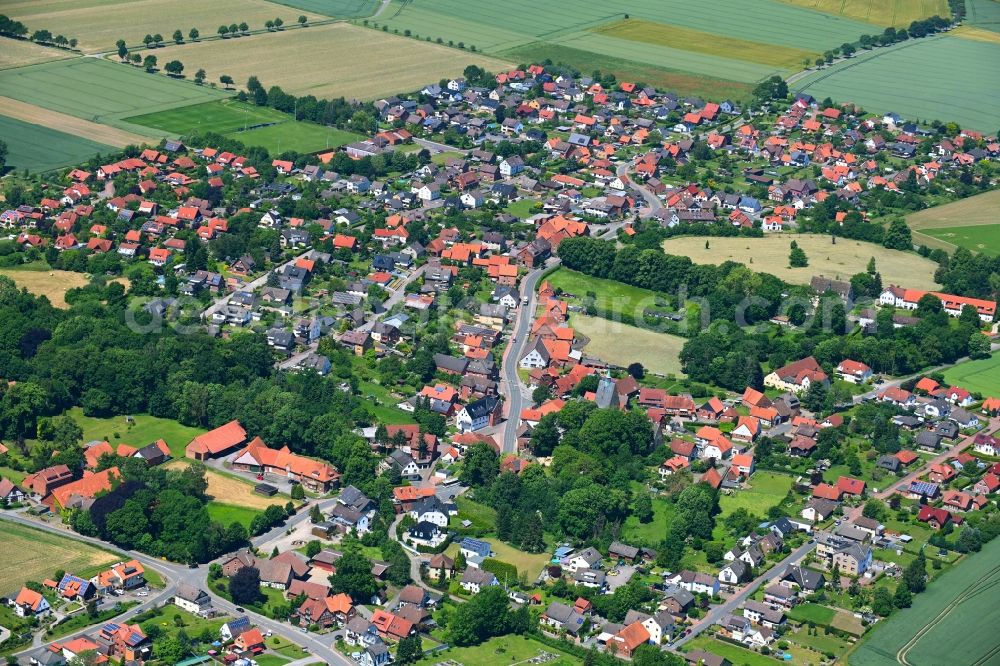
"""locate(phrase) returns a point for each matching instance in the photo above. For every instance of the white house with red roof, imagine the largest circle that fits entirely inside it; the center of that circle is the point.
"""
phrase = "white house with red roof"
(854, 372)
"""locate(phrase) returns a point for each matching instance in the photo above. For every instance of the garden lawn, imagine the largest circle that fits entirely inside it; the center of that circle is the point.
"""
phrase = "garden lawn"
(956, 78)
(653, 532)
(227, 514)
(734, 653)
(31, 554)
(621, 344)
(144, 430)
(770, 255)
(981, 376)
(482, 516)
(767, 490)
(810, 612)
(500, 650)
(285, 647)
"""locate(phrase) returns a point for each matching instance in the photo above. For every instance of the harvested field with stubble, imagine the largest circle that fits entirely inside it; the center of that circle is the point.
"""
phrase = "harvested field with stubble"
(343, 60)
(30, 554)
(848, 257)
(18, 53)
(225, 489)
(880, 12)
(98, 24)
(79, 127)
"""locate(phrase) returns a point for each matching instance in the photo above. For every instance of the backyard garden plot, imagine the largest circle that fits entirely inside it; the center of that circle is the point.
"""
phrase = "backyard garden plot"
(98, 24)
(880, 12)
(980, 376)
(622, 345)
(326, 61)
(31, 554)
(944, 77)
(100, 91)
(18, 53)
(38, 148)
(770, 255)
(952, 622)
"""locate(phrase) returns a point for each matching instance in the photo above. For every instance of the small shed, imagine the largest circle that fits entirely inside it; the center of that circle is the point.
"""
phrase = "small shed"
(265, 489)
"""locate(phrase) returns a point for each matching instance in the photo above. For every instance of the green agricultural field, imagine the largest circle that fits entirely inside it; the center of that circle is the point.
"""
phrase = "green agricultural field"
(228, 514)
(300, 136)
(766, 490)
(980, 376)
(621, 344)
(222, 116)
(335, 8)
(145, 430)
(664, 35)
(970, 223)
(983, 14)
(944, 77)
(99, 90)
(949, 623)
(39, 148)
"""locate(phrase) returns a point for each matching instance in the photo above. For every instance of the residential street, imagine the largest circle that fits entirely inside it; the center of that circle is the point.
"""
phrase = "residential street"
(510, 384)
(719, 612)
(218, 303)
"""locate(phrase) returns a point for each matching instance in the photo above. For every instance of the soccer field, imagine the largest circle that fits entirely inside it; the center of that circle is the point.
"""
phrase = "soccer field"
(944, 77)
(99, 90)
(950, 623)
(222, 116)
(334, 60)
(40, 148)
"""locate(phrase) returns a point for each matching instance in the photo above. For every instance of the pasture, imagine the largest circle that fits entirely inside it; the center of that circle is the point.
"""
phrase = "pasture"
(31, 554)
(100, 91)
(957, 604)
(39, 148)
(944, 77)
(18, 53)
(848, 257)
(899, 13)
(98, 24)
(391, 64)
(621, 344)
(143, 430)
(970, 223)
(766, 489)
(980, 376)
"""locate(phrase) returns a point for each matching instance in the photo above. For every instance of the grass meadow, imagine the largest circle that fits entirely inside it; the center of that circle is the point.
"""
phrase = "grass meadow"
(144, 430)
(980, 376)
(324, 61)
(848, 257)
(31, 554)
(970, 223)
(100, 91)
(227, 514)
(955, 605)
(504, 649)
(98, 24)
(944, 77)
(612, 295)
(621, 344)
(39, 148)
(767, 489)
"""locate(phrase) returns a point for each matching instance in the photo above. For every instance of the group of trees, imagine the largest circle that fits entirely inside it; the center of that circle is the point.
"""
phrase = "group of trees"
(11, 28)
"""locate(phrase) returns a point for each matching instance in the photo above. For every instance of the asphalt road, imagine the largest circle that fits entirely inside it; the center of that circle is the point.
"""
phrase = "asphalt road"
(719, 612)
(511, 387)
(319, 647)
